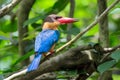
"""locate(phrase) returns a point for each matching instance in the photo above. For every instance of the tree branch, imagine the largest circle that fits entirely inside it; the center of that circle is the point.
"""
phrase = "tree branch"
(8, 8)
(108, 51)
(76, 58)
(69, 60)
(16, 75)
(47, 76)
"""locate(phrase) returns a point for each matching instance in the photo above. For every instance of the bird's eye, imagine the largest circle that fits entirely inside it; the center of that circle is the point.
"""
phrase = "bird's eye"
(58, 17)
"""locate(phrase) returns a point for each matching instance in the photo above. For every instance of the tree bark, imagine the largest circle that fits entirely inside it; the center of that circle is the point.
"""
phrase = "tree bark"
(104, 34)
(47, 76)
(23, 14)
(103, 24)
(9, 7)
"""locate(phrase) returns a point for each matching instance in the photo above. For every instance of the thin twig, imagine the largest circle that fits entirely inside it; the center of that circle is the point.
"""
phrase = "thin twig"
(109, 52)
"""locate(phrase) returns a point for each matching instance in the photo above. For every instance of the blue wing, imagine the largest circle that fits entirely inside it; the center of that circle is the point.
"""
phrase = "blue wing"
(45, 40)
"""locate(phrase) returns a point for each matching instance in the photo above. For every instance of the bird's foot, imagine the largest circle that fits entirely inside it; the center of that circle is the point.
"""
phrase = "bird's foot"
(49, 53)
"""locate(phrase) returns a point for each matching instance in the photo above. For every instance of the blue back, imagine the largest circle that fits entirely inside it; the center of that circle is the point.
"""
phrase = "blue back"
(45, 40)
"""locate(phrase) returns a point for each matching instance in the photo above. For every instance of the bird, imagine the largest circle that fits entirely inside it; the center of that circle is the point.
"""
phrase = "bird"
(45, 41)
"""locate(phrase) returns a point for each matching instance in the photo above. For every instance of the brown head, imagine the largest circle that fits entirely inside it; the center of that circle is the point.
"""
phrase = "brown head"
(53, 21)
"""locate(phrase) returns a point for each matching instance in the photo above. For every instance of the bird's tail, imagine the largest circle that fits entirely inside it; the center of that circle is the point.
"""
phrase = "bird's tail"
(35, 63)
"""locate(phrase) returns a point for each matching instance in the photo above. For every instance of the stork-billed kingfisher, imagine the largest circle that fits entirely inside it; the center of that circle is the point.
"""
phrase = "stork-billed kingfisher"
(46, 39)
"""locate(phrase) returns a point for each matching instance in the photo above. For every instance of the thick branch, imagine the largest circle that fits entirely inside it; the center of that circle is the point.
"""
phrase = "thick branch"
(82, 48)
(69, 60)
(72, 59)
(47, 76)
(8, 8)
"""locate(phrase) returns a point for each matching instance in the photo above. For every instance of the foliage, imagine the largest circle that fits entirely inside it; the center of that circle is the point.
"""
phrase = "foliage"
(105, 66)
(85, 11)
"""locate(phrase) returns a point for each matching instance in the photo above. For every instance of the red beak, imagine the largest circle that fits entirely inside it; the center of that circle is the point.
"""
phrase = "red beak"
(67, 20)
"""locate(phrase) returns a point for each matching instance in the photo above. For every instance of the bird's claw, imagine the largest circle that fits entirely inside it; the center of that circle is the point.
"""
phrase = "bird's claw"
(50, 53)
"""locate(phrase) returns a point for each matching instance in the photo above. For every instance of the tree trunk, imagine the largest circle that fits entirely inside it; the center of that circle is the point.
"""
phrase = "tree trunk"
(71, 13)
(23, 14)
(103, 35)
(103, 24)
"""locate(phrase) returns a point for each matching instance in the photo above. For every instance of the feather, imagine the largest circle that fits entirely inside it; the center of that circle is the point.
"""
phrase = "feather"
(35, 63)
(45, 40)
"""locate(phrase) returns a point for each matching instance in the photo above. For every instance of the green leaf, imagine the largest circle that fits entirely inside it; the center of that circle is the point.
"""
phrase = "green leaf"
(115, 11)
(8, 26)
(118, 64)
(105, 66)
(58, 6)
(22, 58)
(116, 55)
(74, 31)
(116, 77)
(33, 20)
(3, 38)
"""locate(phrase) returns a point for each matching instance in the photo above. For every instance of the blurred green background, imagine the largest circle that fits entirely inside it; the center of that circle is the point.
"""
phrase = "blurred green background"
(85, 11)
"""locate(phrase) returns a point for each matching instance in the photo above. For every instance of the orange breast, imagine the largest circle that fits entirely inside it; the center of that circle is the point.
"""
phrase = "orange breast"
(51, 25)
